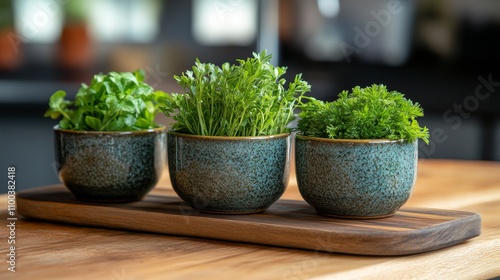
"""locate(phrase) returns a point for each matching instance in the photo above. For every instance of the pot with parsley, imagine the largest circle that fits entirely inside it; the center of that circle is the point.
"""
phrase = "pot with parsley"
(108, 146)
(230, 144)
(356, 157)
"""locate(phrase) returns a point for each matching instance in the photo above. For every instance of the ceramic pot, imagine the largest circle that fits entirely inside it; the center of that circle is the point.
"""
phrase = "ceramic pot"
(110, 166)
(229, 175)
(355, 178)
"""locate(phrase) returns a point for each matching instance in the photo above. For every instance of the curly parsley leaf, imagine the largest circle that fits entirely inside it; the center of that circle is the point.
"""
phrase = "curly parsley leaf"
(364, 113)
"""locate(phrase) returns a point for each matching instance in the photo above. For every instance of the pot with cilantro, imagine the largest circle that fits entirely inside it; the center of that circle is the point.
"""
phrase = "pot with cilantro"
(356, 157)
(230, 144)
(108, 147)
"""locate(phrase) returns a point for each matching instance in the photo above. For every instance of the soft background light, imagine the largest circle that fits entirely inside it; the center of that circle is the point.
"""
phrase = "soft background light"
(219, 22)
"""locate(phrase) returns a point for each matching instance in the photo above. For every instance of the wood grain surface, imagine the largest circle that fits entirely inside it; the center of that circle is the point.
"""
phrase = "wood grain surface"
(48, 250)
(287, 223)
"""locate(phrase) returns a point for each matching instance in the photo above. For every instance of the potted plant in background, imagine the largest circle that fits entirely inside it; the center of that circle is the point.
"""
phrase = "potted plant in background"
(10, 53)
(356, 157)
(107, 144)
(229, 148)
(75, 47)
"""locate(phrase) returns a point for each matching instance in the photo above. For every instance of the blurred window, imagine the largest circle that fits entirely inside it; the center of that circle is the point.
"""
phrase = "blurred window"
(38, 21)
(225, 22)
(329, 8)
(129, 21)
(41, 21)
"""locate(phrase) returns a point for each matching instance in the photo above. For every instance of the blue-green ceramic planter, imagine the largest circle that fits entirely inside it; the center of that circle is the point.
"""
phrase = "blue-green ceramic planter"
(110, 166)
(229, 175)
(355, 178)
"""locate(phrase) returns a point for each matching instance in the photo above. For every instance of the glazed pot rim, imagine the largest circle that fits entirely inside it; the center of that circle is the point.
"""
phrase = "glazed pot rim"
(160, 128)
(353, 141)
(229, 138)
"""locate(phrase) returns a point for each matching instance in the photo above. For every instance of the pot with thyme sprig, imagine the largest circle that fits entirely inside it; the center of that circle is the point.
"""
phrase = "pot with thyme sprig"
(229, 148)
(356, 157)
(108, 146)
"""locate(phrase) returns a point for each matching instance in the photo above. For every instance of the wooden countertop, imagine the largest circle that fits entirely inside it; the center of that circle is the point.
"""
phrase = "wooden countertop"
(55, 251)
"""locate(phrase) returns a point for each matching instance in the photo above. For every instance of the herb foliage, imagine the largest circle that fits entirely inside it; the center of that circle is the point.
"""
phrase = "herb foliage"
(365, 113)
(112, 102)
(245, 99)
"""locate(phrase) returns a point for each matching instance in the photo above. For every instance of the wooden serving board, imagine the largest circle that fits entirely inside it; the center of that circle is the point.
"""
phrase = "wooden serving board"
(287, 223)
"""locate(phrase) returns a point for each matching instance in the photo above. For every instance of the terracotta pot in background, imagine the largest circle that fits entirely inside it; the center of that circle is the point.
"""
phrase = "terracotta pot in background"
(75, 47)
(10, 52)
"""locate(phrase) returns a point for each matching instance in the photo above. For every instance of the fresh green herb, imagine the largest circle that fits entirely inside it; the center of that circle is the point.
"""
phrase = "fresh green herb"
(365, 113)
(248, 99)
(113, 102)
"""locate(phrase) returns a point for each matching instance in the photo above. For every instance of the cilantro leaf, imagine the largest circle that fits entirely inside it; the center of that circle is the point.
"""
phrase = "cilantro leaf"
(112, 102)
(92, 122)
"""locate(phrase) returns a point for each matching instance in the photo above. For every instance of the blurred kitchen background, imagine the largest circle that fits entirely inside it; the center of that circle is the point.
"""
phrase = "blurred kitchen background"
(443, 54)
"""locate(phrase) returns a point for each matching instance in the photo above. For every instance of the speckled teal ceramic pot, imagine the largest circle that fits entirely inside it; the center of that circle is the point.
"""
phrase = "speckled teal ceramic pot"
(110, 166)
(355, 178)
(229, 175)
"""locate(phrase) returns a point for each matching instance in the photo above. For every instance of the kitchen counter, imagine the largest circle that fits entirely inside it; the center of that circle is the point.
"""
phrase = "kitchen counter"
(56, 251)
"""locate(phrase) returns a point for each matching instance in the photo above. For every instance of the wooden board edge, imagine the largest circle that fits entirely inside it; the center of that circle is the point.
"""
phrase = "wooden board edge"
(319, 241)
